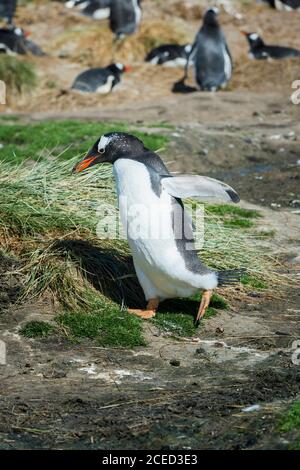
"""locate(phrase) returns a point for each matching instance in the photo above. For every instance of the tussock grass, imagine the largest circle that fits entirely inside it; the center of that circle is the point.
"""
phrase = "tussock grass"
(18, 75)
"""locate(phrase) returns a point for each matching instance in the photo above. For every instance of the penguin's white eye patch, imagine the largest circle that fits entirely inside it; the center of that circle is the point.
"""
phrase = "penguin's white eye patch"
(253, 36)
(103, 143)
(215, 10)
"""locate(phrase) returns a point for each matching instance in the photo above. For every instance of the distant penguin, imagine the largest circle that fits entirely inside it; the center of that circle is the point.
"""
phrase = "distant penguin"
(171, 55)
(159, 229)
(7, 10)
(260, 50)
(96, 9)
(125, 16)
(213, 63)
(15, 41)
(284, 5)
(100, 80)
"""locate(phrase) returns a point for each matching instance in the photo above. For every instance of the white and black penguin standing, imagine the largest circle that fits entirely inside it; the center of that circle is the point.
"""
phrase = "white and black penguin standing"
(8, 9)
(213, 63)
(100, 79)
(125, 16)
(159, 230)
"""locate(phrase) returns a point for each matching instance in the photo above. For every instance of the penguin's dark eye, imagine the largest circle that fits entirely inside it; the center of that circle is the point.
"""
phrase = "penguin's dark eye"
(101, 150)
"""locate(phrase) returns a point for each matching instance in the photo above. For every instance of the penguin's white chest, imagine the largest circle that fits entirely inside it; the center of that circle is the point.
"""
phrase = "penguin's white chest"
(147, 216)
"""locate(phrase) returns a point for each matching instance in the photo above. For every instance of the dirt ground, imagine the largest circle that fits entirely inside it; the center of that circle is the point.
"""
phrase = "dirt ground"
(187, 394)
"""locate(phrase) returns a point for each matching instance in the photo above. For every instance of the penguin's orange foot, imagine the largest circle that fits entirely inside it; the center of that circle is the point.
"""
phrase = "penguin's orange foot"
(205, 300)
(145, 314)
(149, 312)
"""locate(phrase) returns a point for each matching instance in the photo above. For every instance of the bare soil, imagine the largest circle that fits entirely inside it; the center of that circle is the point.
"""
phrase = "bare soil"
(58, 395)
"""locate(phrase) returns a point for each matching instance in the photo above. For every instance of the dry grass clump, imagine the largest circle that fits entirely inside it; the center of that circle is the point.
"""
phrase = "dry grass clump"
(257, 74)
(94, 45)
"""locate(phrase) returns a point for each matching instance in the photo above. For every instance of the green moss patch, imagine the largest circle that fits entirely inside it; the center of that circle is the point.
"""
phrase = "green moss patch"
(37, 329)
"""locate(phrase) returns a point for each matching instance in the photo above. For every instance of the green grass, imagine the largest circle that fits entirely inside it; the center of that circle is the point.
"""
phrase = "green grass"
(37, 329)
(252, 281)
(182, 324)
(19, 76)
(232, 210)
(291, 420)
(109, 327)
(63, 139)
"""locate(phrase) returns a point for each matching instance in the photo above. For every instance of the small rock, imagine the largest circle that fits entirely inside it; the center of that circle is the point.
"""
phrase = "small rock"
(275, 137)
(251, 408)
(255, 294)
(220, 330)
(175, 362)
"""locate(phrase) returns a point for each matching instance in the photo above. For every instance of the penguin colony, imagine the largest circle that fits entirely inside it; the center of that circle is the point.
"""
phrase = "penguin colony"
(209, 55)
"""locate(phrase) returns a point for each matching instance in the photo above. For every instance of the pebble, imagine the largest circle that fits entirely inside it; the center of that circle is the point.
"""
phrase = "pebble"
(251, 408)
(175, 362)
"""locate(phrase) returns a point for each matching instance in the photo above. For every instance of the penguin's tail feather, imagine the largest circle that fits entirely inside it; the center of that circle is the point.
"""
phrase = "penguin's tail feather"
(227, 277)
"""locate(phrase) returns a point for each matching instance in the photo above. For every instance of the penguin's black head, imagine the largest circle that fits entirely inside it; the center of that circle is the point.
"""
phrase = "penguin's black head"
(109, 148)
(254, 40)
(118, 68)
(211, 17)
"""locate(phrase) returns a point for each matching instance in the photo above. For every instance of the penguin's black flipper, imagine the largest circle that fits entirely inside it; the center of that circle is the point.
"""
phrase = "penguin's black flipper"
(181, 87)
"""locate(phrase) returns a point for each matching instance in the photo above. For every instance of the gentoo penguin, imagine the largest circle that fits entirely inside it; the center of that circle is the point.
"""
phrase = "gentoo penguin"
(99, 80)
(286, 5)
(171, 55)
(7, 10)
(96, 9)
(213, 63)
(14, 40)
(260, 50)
(125, 16)
(159, 230)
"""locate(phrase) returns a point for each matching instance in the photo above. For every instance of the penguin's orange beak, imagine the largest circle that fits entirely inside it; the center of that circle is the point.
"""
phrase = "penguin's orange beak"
(85, 163)
(127, 68)
(244, 33)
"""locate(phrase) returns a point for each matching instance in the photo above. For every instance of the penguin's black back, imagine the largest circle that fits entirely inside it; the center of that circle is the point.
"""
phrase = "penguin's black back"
(7, 9)
(122, 17)
(275, 52)
(167, 52)
(90, 80)
(12, 41)
(209, 58)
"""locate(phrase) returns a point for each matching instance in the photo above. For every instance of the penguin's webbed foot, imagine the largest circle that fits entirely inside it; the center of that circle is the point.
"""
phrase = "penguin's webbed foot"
(149, 312)
(145, 314)
(205, 300)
